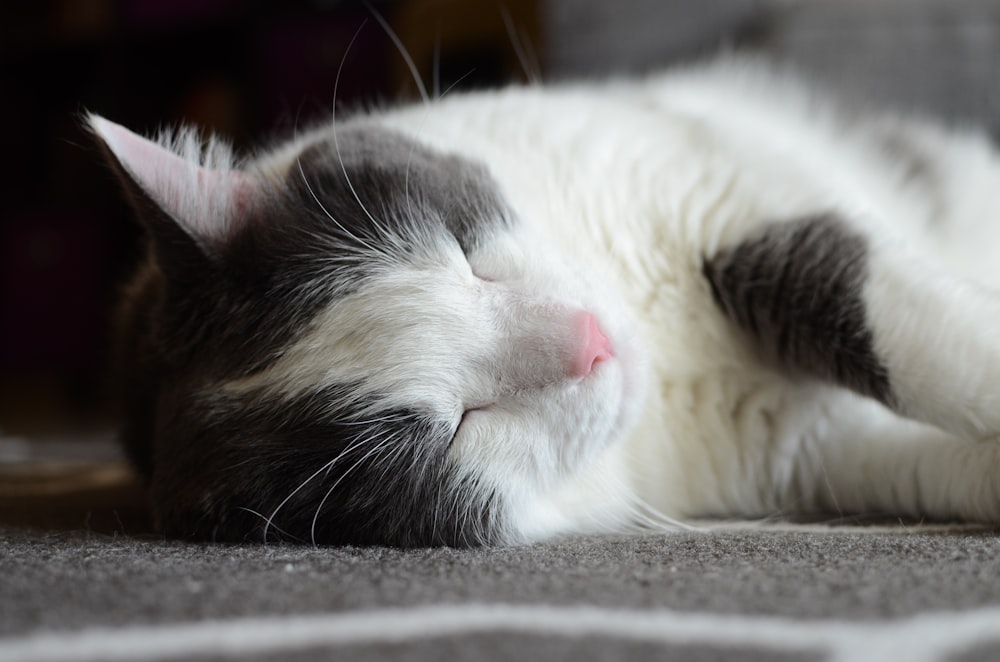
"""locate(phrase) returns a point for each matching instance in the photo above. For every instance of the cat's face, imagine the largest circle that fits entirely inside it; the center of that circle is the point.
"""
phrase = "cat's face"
(366, 345)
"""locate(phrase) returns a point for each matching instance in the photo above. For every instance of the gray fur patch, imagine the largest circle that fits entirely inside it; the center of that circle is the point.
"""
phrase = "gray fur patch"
(797, 288)
(218, 466)
(402, 184)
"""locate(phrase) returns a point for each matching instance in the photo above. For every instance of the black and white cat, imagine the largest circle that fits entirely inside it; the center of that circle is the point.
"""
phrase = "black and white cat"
(503, 316)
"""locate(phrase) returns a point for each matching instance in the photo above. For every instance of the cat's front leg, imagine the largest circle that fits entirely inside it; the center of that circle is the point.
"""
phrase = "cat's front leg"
(861, 459)
(939, 337)
(830, 300)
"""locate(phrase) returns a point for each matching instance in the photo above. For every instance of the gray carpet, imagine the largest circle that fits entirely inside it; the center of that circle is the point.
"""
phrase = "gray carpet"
(741, 595)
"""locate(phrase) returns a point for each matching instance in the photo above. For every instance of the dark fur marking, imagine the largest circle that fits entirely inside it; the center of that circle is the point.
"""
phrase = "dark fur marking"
(199, 315)
(223, 457)
(403, 184)
(797, 289)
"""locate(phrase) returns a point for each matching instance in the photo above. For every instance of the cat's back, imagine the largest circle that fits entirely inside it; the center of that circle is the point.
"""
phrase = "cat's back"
(681, 161)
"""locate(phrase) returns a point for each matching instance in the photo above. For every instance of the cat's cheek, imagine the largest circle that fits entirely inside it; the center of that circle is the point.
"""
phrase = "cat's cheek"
(635, 388)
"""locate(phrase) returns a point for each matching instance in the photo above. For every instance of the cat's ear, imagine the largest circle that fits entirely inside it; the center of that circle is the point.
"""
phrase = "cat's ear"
(188, 194)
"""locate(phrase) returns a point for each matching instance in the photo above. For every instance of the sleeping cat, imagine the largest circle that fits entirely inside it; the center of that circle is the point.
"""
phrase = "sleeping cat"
(502, 316)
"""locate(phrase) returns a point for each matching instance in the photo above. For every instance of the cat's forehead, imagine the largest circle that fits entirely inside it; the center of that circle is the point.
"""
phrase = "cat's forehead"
(356, 206)
(378, 183)
(371, 234)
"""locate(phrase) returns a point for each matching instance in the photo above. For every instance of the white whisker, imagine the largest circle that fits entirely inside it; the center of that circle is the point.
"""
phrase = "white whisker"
(378, 448)
(326, 467)
(460, 79)
(336, 141)
(532, 74)
(274, 526)
(400, 449)
(436, 66)
(375, 250)
(269, 520)
(394, 418)
(409, 159)
(402, 51)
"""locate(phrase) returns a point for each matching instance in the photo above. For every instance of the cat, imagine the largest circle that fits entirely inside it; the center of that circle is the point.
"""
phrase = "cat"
(502, 316)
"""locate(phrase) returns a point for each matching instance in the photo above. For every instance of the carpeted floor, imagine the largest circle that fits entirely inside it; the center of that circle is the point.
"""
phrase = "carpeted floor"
(843, 594)
(82, 578)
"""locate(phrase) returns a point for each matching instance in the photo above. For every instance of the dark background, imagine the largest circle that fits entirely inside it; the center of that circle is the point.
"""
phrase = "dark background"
(247, 70)
(252, 70)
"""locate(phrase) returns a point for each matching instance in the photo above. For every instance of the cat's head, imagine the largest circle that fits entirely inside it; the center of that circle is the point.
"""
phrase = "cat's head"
(358, 342)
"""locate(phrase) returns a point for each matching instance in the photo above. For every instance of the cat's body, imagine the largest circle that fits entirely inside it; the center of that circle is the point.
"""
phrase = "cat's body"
(508, 315)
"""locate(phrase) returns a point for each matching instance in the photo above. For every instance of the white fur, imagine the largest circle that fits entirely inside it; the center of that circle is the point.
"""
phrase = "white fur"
(635, 182)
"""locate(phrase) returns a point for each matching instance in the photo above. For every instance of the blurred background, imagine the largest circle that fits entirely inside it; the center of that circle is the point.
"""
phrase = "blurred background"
(251, 70)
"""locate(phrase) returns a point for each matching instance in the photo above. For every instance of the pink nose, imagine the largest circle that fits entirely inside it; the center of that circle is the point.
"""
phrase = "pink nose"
(593, 346)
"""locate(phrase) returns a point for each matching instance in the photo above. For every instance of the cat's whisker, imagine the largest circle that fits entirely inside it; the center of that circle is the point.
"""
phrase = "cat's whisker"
(657, 518)
(436, 61)
(662, 521)
(405, 54)
(642, 513)
(423, 460)
(372, 249)
(530, 73)
(390, 460)
(406, 185)
(532, 55)
(471, 526)
(395, 418)
(829, 487)
(377, 449)
(269, 520)
(273, 526)
(409, 160)
(333, 126)
(458, 81)
(326, 467)
(353, 237)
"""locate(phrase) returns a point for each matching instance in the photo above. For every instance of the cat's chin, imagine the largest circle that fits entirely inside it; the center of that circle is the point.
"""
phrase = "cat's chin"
(626, 361)
(613, 394)
(596, 481)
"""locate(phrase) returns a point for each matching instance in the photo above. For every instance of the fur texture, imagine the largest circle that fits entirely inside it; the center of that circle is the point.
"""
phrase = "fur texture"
(381, 331)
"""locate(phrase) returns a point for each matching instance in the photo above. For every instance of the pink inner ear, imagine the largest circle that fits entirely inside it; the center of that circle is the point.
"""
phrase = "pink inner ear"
(242, 188)
(204, 202)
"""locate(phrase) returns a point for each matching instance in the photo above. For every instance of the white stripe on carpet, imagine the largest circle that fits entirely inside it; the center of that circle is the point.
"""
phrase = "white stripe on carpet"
(925, 637)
